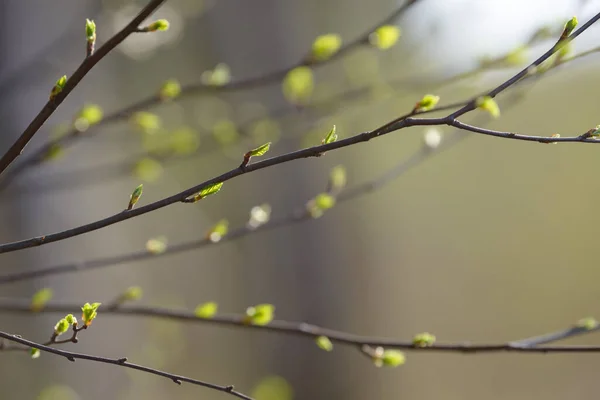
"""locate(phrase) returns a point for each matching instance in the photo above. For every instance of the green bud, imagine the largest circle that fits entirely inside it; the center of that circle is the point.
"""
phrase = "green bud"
(34, 353)
(158, 25)
(71, 319)
(428, 102)
(146, 122)
(424, 340)
(569, 27)
(393, 358)
(135, 196)
(170, 89)
(61, 327)
(385, 36)
(326, 46)
(206, 310)
(90, 30)
(488, 104)
(58, 86)
(261, 314)
(324, 343)
(324, 201)
(587, 323)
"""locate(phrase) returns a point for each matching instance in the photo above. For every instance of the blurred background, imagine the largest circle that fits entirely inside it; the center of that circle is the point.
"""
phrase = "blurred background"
(489, 241)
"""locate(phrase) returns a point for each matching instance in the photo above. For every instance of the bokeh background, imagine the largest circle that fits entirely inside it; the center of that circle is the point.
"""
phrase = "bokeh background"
(490, 241)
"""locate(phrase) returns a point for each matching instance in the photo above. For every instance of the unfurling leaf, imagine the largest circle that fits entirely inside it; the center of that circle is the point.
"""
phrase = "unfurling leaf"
(135, 196)
(89, 312)
(61, 327)
(488, 104)
(257, 152)
(569, 27)
(385, 36)
(58, 86)
(40, 299)
(298, 85)
(326, 46)
(158, 25)
(424, 339)
(206, 310)
(90, 30)
(331, 136)
(218, 231)
(34, 353)
(260, 314)
(428, 102)
(324, 343)
(157, 245)
(207, 191)
(71, 319)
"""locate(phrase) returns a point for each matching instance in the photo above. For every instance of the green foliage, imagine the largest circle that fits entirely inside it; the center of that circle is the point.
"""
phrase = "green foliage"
(157, 245)
(261, 150)
(218, 231)
(331, 136)
(208, 190)
(298, 85)
(61, 327)
(135, 196)
(428, 102)
(206, 310)
(385, 36)
(387, 358)
(424, 339)
(90, 30)
(488, 104)
(34, 353)
(89, 312)
(58, 86)
(71, 319)
(261, 314)
(324, 343)
(41, 298)
(158, 25)
(170, 89)
(569, 27)
(324, 201)
(325, 46)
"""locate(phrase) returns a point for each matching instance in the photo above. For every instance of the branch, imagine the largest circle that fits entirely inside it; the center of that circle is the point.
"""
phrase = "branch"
(89, 62)
(72, 356)
(528, 345)
(402, 122)
(193, 89)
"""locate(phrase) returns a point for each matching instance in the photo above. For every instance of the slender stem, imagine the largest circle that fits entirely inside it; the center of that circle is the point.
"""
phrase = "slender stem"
(89, 62)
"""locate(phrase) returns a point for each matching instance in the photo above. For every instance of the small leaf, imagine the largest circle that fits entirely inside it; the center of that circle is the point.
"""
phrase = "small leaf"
(206, 310)
(424, 339)
(569, 27)
(385, 36)
(89, 312)
(260, 151)
(41, 298)
(170, 89)
(58, 86)
(428, 102)
(488, 104)
(326, 46)
(208, 190)
(331, 136)
(261, 314)
(34, 353)
(90, 30)
(393, 358)
(298, 85)
(157, 245)
(71, 319)
(158, 25)
(61, 327)
(588, 323)
(324, 201)
(218, 231)
(135, 196)
(324, 343)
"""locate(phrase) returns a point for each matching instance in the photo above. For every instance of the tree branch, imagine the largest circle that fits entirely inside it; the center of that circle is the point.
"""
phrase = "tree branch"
(89, 62)
(72, 356)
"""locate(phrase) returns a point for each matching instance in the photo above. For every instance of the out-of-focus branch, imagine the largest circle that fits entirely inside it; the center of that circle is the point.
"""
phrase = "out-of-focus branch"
(68, 85)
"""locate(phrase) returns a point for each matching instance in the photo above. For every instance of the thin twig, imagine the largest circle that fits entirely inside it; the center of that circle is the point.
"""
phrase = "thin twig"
(72, 356)
(200, 88)
(528, 345)
(89, 62)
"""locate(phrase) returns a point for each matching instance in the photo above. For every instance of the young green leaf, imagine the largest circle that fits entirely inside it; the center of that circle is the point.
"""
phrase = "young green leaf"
(393, 358)
(257, 152)
(61, 327)
(90, 30)
(324, 201)
(158, 25)
(207, 191)
(424, 339)
(488, 104)
(261, 314)
(331, 136)
(385, 36)
(89, 312)
(206, 310)
(41, 298)
(569, 27)
(135, 196)
(71, 319)
(34, 353)
(324, 343)
(428, 102)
